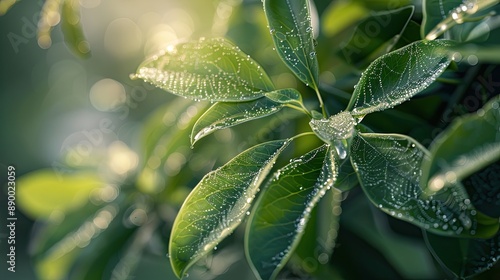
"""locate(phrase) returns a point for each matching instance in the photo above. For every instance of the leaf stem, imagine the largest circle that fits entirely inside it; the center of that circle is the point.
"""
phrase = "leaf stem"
(321, 104)
(300, 108)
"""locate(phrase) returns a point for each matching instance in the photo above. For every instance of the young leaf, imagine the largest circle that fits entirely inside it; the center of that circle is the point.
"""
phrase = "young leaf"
(453, 159)
(464, 257)
(67, 192)
(291, 30)
(388, 170)
(373, 32)
(452, 16)
(218, 203)
(281, 213)
(224, 114)
(399, 75)
(209, 69)
(71, 27)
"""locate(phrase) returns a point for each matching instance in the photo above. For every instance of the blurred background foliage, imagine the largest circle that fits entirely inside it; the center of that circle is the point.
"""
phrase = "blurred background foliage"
(109, 159)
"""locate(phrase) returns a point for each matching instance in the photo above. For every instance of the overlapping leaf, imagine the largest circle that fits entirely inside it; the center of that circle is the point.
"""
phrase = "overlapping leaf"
(399, 75)
(375, 31)
(218, 204)
(278, 220)
(224, 114)
(388, 170)
(209, 69)
(291, 30)
(464, 257)
(453, 159)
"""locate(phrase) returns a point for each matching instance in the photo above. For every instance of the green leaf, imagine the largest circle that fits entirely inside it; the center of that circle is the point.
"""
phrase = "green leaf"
(87, 248)
(464, 257)
(455, 17)
(209, 69)
(227, 114)
(484, 191)
(399, 75)
(164, 134)
(169, 119)
(409, 35)
(373, 32)
(469, 144)
(291, 30)
(71, 27)
(67, 192)
(347, 177)
(218, 203)
(388, 167)
(5, 5)
(340, 15)
(277, 222)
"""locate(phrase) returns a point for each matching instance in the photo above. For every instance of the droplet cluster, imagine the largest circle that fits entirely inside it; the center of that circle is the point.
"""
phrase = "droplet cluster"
(209, 69)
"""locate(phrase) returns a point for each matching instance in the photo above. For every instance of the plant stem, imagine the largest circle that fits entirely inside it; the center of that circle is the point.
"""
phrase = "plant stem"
(321, 104)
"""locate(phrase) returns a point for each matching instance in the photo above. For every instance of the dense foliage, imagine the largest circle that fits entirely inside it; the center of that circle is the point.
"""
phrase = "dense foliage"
(333, 134)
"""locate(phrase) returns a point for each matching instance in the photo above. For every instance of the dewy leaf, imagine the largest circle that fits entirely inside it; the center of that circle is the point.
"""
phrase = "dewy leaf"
(209, 69)
(399, 75)
(469, 144)
(67, 192)
(218, 203)
(226, 114)
(388, 167)
(464, 257)
(337, 127)
(484, 189)
(452, 16)
(278, 220)
(373, 32)
(291, 30)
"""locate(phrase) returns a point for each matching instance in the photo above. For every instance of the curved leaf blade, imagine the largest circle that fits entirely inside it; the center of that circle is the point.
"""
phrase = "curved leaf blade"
(464, 257)
(399, 75)
(209, 69)
(364, 45)
(225, 114)
(388, 171)
(277, 223)
(72, 29)
(68, 192)
(290, 26)
(218, 203)
(484, 189)
(453, 159)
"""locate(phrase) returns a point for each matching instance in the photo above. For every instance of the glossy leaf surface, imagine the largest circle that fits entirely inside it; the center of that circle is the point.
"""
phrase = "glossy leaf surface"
(279, 218)
(373, 32)
(218, 203)
(209, 69)
(227, 114)
(464, 257)
(291, 30)
(399, 75)
(453, 159)
(388, 170)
